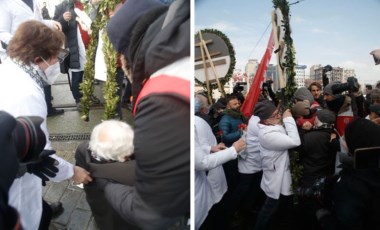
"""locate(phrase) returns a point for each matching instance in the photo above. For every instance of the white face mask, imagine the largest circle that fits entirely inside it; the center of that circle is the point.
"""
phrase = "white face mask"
(51, 72)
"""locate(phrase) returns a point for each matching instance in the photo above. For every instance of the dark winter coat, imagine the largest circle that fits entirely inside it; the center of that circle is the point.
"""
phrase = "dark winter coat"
(161, 193)
(229, 125)
(317, 155)
(70, 30)
(105, 216)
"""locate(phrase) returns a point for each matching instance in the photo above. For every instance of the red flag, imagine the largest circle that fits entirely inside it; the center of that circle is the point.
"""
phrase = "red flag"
(254, 91)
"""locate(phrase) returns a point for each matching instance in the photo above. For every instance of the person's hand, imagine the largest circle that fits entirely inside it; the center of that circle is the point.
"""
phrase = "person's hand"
(332, 136)
(239, 145)
(307, 125)
(44, 168)
(287, 113)
(218, 147)
(57, 25)
(67, 16)
(81, 175)
(376, 121)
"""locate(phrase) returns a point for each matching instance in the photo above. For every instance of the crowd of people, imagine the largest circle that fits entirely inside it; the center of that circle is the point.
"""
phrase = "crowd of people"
(138, 177)
(320, 135)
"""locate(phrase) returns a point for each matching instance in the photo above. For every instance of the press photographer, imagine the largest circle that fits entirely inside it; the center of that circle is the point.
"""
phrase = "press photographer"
(237, 91)
(355, 195)
(21, 141)
(317, 156)
(343, 105)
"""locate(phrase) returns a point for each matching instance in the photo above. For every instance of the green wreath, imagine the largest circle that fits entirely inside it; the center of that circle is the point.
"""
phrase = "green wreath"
(231, 51)
(287, 93)
(110, 56)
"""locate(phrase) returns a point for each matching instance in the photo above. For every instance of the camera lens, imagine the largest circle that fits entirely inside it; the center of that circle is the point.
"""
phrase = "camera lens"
(28, 137)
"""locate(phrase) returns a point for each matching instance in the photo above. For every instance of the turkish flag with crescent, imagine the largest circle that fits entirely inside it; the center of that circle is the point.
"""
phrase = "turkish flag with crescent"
(255, 90)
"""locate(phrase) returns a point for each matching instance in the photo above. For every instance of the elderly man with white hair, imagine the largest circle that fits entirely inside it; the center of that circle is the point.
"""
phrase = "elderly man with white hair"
(108, 154)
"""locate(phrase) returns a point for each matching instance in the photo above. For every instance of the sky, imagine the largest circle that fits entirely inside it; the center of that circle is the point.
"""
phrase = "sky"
(340, 33)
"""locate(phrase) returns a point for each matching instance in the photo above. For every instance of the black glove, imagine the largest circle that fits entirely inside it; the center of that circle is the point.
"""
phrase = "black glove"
(44, 168)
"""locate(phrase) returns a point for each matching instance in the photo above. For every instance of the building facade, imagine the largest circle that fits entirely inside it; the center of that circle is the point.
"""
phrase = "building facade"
(300, 75)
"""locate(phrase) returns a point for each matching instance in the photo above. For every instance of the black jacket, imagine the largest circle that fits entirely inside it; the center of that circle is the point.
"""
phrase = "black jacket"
(70, 30)
(104, 215)
(161, 195)
(317, 155)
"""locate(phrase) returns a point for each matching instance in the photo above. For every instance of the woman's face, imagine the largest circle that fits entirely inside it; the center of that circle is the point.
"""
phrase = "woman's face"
(44, 64)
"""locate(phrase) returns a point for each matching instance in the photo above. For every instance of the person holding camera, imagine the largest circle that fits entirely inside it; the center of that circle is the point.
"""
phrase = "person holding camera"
(355, 195)
(340, 104)
(21, 141)
(317, 155)
(33, 51)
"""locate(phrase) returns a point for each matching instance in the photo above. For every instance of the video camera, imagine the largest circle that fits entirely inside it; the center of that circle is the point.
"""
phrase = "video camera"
(21, 140)
(351, 85)
(239, 87)
(25, 135)
(320, 191)
(267, 84)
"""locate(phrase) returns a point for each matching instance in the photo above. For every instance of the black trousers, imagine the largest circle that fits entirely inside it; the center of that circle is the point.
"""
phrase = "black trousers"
(46, 216)
(47, 91)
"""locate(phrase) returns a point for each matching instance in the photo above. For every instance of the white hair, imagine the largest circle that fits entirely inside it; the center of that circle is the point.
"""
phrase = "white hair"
(112, 140)
(203, 101)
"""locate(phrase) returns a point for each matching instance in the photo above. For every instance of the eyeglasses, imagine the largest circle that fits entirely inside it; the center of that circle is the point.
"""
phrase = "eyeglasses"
(275, 115)
(62, 55)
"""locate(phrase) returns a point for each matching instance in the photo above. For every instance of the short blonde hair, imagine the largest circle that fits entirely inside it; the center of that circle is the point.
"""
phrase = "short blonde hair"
(112, 140)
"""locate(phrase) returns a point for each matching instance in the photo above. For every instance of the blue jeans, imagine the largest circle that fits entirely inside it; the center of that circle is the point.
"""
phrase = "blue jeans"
(76, 80)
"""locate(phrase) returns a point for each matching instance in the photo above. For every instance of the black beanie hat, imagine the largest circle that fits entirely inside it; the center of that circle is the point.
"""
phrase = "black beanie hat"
(328, 89)
(362, 133)
(375, 109)
(264, 109)
(326, 116)
(120, 27)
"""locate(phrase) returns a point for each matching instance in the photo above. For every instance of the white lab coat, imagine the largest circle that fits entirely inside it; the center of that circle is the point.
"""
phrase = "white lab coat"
(275, 140)
(250, 162)
(209, 189)
(20, 95)
(100, 63)
(12, 14)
